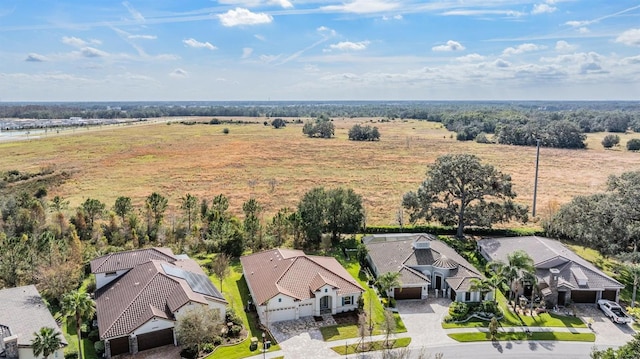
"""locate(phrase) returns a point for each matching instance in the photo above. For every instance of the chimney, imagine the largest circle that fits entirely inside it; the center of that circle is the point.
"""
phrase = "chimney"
(553, 286)
(11, 347)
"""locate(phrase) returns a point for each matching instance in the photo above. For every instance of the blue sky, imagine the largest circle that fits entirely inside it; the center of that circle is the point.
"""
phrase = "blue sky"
(68, 50)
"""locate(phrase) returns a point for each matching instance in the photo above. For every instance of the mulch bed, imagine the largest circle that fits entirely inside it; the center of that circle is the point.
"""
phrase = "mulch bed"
(346, 318)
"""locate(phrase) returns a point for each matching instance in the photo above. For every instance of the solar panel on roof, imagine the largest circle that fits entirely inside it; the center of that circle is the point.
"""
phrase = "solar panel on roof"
(199, 283)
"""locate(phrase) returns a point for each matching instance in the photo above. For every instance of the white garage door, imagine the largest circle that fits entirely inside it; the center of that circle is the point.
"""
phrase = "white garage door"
(277, 315)
(306, 310)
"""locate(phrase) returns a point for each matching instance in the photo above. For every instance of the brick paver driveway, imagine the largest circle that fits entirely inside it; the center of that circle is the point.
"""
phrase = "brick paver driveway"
(423, 319)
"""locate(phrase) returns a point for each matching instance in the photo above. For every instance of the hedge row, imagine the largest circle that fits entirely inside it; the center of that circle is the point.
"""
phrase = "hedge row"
(441, 230)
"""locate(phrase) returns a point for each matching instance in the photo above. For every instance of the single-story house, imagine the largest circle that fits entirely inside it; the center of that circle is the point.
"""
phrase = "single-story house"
(141, 293)
(23, 313)
(424, 263)
(287, 284)
(562, 275)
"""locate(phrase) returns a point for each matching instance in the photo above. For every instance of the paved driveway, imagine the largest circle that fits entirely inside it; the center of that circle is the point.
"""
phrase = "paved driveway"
(607, 332)
(423, 320)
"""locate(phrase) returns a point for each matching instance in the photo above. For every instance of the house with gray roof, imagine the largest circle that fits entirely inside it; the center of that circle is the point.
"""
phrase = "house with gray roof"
(287, 284)
(562, 275)
(23, 313)
(142, 293)
(425, 264)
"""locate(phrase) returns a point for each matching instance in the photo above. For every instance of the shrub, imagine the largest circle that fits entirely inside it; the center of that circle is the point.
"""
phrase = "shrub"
(225, 131)
(458, 310)
(214, 121)
(633, 145)
(234, 330)
(94, 335)
(207, 347)
(188, 353)
(610, 141)
(99, 348)
(232, 316)
(72, 354)
(217, 340)
(482, 138)
(278, 123)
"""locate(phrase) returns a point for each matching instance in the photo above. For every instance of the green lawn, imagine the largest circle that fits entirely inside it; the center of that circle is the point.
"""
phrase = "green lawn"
(371, 304)
(512, 319)
(235, 290)
(377, 345)
(69, 331)
(518, 336)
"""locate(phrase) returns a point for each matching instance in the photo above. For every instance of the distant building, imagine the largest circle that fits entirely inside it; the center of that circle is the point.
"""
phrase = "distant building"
(23, 313)
(141, 293)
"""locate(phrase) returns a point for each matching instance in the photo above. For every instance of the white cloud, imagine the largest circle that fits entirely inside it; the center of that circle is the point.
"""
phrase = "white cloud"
(466, 12)
(33, 57)
(198, 45)
(92, 52)
(78, 42)
(325, 31)
(449, 46)
(522, 48)
(246, 52)
(563, 46)
(350, 46)
(363, 6)
(635, 60)
(583, 30)
(269, 58)
(179, 73)
(500, 63)
(143, 37)
(575, 23)
(135, 13)
(240, 16)
(630, 37)
(256, 3)
(543, 9)
(470, 58)
(389, 18)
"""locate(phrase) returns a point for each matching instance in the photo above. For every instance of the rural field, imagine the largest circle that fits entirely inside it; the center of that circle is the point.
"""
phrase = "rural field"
(277, 166)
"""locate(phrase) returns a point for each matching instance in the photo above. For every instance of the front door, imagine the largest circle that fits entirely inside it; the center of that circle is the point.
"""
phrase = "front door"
(325, 305)
(438, 282)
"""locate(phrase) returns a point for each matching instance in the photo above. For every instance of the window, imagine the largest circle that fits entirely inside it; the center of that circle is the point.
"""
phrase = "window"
(347, 300)
(326, 290)
(279, 300)
(110, 274)
(467, 296)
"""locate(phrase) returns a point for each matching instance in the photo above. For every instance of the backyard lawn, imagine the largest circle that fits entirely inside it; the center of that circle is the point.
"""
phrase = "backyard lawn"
(235, 290)
(371, 304)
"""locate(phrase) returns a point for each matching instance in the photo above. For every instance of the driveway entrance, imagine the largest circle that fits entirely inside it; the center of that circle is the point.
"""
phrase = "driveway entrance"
(423, 320)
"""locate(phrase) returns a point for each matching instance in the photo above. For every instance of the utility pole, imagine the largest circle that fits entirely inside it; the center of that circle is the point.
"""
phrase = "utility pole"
(535, 185)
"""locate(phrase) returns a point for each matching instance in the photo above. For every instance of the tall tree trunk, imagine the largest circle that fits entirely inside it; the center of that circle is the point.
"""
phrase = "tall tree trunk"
(78, 327)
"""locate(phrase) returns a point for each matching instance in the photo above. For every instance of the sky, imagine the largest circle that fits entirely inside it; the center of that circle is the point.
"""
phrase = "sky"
(261, 50)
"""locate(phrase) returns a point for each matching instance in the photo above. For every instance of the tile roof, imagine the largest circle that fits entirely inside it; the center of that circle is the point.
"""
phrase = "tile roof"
(293, 273)
(394, 253)
(126, 260)
(23, 312)
(149, 290)
(548, 253)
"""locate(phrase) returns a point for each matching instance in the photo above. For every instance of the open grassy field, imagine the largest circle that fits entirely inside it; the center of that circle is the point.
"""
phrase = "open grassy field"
(278, 166)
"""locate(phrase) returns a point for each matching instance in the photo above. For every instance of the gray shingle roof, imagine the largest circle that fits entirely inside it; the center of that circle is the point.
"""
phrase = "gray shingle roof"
(546, 254)
(392, 253)
(295, 274)
(23, 312)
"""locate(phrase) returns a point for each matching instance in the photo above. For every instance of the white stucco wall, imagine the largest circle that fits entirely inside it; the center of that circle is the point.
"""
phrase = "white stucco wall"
(154, 325)
(221, 308)
(103, 279)
(27, 353)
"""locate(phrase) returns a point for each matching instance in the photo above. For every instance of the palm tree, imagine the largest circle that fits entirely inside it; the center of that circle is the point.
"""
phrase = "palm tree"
(497, 276)
(79, 305)
(46, 342)
(518, 263)
(533, 281)
(388, 281)
(480, 285)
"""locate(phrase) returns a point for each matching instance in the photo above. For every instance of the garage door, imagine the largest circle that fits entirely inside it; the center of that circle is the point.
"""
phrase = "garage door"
(155, 339)
(119, 345)
(408, 293)
(609, 294)
(583, 296)
(277, 315)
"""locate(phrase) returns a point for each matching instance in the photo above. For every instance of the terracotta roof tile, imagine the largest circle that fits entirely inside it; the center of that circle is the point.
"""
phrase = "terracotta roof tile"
(293, 273)
(126, 260)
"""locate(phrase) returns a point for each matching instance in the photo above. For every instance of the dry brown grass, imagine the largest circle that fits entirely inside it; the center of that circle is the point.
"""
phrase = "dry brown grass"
(176, 159)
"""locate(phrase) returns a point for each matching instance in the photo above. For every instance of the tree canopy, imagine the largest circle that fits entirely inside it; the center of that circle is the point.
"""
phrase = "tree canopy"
(461, 191)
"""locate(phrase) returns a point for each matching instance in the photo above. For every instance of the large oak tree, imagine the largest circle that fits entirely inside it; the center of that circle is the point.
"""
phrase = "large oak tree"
(461, 191)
